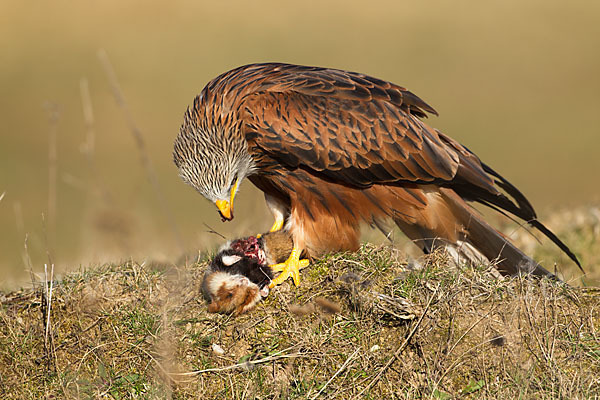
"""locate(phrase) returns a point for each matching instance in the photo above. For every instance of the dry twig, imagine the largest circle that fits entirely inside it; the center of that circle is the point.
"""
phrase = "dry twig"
(276, 356)
(53, 117)
(402, 347)
(343, 367)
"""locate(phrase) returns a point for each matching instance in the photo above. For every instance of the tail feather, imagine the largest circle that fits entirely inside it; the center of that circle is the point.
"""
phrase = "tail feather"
(449, 222)
(514, 202)
(477, 181)
(542, 228)
(523, 209)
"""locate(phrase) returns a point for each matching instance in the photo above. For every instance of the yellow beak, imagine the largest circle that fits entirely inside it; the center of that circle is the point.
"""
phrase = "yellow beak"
(226, 207)
(225, 210)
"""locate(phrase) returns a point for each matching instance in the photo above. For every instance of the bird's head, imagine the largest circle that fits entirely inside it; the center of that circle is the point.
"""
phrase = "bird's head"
(212, 157)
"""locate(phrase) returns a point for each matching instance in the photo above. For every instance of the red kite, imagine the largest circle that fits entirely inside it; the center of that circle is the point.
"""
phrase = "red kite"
(331, 148)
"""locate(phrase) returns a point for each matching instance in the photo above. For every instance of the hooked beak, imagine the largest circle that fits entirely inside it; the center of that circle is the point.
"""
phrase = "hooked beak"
(226, 207)
(225, 210)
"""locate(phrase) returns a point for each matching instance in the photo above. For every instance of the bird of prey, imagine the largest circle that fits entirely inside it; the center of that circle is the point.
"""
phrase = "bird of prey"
(331, 149)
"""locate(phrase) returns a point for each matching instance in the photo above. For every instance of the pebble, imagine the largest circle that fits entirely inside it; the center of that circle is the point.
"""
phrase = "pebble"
(218, 350)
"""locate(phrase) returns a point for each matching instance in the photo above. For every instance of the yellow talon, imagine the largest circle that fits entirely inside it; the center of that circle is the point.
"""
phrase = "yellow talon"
(291, 267)
(281, 266)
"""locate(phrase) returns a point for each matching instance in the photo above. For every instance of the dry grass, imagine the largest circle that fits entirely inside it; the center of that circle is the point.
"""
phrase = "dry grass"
(142, 331)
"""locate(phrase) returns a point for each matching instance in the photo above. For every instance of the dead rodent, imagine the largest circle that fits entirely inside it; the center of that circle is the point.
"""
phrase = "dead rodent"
(239, 275)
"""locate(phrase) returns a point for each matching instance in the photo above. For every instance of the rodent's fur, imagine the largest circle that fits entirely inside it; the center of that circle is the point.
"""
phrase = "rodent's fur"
(239, 275)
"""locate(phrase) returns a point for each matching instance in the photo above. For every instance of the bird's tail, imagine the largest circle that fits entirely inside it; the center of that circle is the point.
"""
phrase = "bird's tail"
(447, 221)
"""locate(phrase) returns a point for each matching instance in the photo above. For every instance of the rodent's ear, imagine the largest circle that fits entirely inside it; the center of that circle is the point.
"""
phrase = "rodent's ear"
(213, 307)
(230, 260)
(245, 281)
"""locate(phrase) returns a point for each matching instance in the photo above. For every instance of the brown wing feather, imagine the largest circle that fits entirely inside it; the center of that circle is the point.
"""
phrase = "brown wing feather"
(352, 127)
(358, 142)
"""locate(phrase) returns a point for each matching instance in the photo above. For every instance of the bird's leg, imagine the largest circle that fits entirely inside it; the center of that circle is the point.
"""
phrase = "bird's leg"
(291, 267)
(278, 224)
(281, 266)
(279, 210)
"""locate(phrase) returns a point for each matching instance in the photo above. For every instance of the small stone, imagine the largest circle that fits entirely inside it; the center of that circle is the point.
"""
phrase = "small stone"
(218, 350)
(374, 348)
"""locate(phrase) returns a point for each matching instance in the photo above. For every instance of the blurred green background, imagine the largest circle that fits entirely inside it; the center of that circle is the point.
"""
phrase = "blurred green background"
(516, 81)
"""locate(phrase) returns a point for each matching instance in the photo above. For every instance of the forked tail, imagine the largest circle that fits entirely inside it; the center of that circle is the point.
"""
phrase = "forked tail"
(449, 222)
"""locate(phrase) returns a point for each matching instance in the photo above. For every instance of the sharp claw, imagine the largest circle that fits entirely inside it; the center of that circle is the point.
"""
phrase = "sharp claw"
(277, 267)
(279, 280)
(281, 266)
(289, 268)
